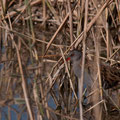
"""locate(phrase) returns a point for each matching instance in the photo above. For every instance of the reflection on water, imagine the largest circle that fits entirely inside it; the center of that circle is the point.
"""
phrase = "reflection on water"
(13, 113)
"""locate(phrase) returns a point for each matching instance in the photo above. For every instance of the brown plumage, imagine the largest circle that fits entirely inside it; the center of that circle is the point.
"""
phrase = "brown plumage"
(110, 75)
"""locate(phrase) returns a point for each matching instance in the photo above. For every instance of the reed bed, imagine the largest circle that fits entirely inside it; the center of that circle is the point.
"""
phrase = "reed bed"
(36, 82)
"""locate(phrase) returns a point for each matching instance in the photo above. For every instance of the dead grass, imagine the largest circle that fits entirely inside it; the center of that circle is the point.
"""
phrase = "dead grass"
(35, 39)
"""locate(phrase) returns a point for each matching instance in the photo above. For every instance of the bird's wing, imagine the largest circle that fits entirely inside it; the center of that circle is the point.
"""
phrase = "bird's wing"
(110, 76)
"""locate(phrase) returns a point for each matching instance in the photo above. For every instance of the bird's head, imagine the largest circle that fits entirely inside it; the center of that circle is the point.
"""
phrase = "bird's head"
(74, 56)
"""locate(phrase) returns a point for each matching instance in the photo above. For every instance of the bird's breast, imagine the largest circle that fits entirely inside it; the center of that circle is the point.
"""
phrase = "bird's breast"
(87, 77)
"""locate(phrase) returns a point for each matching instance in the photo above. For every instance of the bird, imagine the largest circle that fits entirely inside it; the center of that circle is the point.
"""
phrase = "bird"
(110, 76)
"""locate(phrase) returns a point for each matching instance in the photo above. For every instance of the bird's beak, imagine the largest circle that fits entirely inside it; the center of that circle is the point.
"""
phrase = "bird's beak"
(67, 59)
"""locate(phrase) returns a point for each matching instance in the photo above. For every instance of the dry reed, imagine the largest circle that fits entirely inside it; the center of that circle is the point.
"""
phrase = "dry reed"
(35, 37)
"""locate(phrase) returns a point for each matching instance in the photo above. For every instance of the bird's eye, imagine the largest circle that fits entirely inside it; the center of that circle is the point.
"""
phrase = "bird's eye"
(72, 54)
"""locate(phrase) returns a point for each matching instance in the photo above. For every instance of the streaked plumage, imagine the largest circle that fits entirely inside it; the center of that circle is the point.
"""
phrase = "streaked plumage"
(110, 75)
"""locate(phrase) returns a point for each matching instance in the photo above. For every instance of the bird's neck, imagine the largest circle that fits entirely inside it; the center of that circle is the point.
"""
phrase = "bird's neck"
(77, 62)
